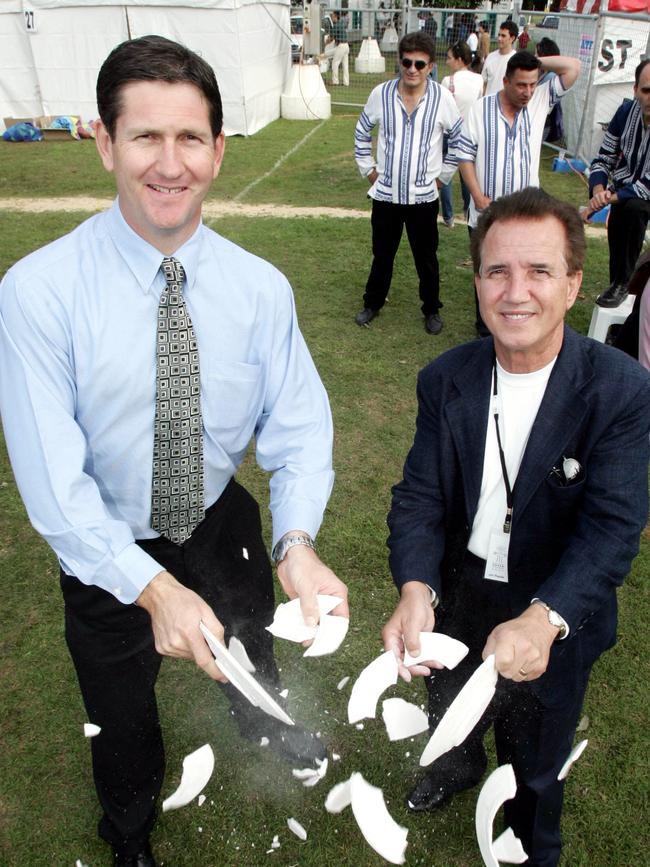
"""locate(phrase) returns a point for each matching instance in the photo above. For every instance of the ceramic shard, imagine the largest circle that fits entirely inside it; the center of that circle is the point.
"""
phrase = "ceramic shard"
(295, 826)
(439, 647)
(242, 680)
(338, 797)
(288, 621)
(403, 719)
(463, 713)
(329, 635)
(378, 827)
(373, 680)
(197, 770)
(237, 649)
(508, 848)
(342, 682)
(500, 786)
(91, 730)
(574, 755)
(201, 800)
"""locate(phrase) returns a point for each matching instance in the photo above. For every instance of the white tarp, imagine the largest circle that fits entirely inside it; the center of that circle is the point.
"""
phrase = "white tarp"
(51, 51)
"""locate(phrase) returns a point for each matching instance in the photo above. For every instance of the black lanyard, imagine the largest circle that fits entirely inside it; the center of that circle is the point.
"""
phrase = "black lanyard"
(507, 524)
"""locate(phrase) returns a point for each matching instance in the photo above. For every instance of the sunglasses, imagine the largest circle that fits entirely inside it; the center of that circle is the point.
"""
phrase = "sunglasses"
(407, 63)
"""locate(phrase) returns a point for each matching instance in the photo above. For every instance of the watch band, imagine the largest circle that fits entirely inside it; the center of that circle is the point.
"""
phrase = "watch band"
(554, 618)
(289, 541)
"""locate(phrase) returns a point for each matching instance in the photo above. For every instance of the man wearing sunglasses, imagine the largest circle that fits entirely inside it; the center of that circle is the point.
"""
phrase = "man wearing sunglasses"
(413, 113)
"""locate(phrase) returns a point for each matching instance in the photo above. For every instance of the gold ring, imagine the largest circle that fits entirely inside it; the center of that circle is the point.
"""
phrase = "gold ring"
(523, 673)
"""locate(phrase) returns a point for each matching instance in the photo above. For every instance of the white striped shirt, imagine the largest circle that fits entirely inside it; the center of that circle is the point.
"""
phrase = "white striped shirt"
(506, 158)
(409, 148)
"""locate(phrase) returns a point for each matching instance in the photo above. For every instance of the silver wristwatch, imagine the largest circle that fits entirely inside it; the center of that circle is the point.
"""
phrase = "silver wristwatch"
(554, 618)
(289, 541)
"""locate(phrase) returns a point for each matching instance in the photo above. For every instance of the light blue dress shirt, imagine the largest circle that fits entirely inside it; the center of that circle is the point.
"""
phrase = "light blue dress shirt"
(78, 382)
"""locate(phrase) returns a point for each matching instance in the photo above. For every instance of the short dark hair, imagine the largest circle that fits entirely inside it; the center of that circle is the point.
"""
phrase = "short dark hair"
(484, 24)
(417, 41)
(522, 60)
(511, 27)
(154, 58)
(637, 72)
(547, 48)
(532, 203)
(461, 51)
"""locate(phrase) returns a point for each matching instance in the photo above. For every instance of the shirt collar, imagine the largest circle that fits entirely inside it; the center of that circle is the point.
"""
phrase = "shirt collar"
(143, 259)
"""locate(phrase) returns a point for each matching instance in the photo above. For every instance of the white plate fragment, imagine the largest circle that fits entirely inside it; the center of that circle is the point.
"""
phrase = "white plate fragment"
(197, 770)
(342, 682)
(403, 719)
(463, 713)
(574, 755)
(295, 826)
(339, 797)
(91, 730)
(439, 647)
(377, 825)
(238, 651)
(500, 786)
(201, 800)
(242, 680)
(373, 680)
(329, 635)
(311, 776)
(508, 848)
(288, 621)
(79, 863)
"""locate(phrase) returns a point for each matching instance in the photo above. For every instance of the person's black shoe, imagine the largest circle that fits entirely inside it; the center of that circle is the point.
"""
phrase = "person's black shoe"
(293, 743)
(433, 323)
(460, 769)
(141, 859)
(613, 296)
(365, 316)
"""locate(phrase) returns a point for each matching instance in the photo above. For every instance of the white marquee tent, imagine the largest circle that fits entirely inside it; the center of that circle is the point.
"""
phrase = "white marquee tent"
(51, 51)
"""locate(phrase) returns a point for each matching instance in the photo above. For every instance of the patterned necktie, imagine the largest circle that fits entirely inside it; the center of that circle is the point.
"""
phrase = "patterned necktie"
(177, 500)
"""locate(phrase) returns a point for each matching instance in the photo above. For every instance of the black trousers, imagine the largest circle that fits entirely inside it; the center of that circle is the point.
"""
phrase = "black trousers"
(112, 647)
(421, 222)
(534, 738)
(626, 228)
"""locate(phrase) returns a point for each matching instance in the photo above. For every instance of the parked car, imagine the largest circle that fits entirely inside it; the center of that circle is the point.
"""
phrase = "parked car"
(297, 25)
(546, 26)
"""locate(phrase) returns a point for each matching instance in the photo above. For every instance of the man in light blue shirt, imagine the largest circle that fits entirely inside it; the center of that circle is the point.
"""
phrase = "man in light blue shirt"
(78, 393)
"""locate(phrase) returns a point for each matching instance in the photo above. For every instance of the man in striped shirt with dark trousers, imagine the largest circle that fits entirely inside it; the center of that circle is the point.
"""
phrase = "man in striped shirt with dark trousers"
(620, 177)
(499, 149)
(413, 113)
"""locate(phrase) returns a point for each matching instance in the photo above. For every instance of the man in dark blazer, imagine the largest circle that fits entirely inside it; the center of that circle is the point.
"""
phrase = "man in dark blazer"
(561, 421)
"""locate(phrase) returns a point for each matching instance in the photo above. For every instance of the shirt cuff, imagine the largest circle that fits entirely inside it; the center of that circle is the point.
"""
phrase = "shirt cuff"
(131, 571)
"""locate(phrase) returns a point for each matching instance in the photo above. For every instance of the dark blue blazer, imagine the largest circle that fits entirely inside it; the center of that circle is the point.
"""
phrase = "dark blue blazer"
(572, 545)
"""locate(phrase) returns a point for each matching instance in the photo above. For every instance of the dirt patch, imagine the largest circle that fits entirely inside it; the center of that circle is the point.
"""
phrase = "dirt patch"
(213, 210)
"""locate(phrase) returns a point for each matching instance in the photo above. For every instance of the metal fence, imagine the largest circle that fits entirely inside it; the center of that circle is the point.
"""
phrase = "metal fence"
(609, 46)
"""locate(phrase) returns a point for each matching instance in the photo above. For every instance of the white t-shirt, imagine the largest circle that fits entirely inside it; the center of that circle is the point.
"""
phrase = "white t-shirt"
(494, 69)
(472, 42)
(519, 396)
(466, 87)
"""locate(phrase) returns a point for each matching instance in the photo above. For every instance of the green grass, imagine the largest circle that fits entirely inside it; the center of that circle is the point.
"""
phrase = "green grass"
(47, 804)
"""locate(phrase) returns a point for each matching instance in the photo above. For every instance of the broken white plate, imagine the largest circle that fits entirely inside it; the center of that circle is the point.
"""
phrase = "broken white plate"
(373, 680)
(201, 800)
(288, 621)
(574, 755)
(91, 730)
(339, 797)
(463, 713)
(311, 776)
(237, 649)
(439, 647)
(403, 719)
(329, 635)
(377, 825)
(197, 770)
(500, 786)
(342, 682)
(508, 848)
(297, 828)
(242, 680)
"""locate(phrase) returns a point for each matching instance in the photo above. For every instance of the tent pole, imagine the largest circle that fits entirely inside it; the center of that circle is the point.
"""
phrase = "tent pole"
(128, 23)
